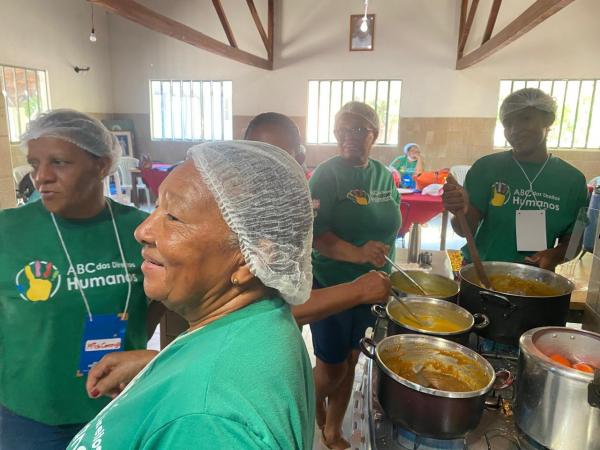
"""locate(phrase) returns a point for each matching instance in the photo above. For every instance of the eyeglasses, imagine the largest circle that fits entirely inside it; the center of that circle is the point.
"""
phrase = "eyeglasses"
(359, 131)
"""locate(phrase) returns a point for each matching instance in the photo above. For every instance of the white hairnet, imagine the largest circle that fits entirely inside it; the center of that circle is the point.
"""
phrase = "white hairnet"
(525, 98)
(72, 126)
(264, 198)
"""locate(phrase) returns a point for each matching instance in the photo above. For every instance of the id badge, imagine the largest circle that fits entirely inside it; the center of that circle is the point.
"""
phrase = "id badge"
(531, 230)
(102, 335)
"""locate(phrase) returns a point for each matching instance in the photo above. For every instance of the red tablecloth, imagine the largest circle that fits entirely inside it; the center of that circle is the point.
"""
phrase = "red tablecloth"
(153, 177)
(417, 208)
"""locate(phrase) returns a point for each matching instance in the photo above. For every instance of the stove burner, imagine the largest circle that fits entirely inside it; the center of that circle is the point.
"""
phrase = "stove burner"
(411, 441)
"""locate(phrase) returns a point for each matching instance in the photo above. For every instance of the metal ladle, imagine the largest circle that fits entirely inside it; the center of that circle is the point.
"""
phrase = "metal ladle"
(407, 276)
(401, 301)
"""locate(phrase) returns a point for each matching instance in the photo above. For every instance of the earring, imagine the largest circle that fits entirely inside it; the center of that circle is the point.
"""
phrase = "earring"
(235, 282)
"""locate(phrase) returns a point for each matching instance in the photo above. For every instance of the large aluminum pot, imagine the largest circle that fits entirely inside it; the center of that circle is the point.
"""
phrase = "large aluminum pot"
(557, 406)
(430, 309)
(434, 285)
(428, 411)
(511, 315)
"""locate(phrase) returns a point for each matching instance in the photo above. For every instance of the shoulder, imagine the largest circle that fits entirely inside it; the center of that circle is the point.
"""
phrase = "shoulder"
(21, 215)
(567, 170)
(492, 159)
(327, 170)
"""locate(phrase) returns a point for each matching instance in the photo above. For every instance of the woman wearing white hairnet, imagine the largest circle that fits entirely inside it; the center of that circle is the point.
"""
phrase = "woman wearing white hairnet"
(68, 263)
(228, 248)
(507, 195)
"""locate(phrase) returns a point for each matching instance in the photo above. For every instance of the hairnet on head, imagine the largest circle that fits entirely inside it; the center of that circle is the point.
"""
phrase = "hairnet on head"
(85, 132)
(407, 147)
(361, 110)
(526, 98)
(264, 198)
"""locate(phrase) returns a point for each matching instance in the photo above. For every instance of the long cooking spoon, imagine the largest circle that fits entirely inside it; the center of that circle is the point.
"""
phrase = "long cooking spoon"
(462, 221)
(404, 304)
(407, 276)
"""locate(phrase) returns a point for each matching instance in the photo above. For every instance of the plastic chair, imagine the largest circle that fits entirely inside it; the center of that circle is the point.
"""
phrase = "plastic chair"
(19, 173)
(118, 196)
(460, 173)
(127, 163)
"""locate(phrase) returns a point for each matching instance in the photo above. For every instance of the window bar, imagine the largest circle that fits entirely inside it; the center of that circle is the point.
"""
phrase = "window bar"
(329, 111)
(39, 91)
(318, 109)
(222, 113)
(28, 96)
(562, 115)
(364, 91)
(202, 133)
(387, 115)
(341, 97)
(19, 124)
(191, 111)
(576, 114)
(589, 125)
(353, 90)
(162, 101)
(212, 113)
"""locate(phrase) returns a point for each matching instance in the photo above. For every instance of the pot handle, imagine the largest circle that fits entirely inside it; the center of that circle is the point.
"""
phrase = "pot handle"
(594, 390)
(504, 379)
(481, 321)
(499, 299)
(367, 345)
(378, 311)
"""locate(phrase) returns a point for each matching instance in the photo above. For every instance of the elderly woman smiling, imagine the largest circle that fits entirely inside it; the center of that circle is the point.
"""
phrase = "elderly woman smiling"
(228, 248)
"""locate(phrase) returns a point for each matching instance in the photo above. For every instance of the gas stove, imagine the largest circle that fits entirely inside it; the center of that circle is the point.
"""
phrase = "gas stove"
(371, 430)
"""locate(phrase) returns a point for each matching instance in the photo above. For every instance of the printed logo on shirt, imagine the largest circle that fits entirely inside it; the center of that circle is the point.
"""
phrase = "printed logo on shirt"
(358, 196)
(38, 281)
(500, 194)
(98, 345)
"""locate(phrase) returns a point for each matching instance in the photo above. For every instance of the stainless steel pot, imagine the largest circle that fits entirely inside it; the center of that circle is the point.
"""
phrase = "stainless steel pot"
(554, 402)
(425, 306)
(435, 285)
(511, 315)
(428, 411)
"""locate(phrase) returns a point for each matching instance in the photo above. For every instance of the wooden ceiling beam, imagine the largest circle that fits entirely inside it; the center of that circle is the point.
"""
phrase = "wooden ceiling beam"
(271, 28)
(259, 26)
(467, 28)
(226, 27)
(491, 21)
(529, 19)
(148, 18)
(464, 7)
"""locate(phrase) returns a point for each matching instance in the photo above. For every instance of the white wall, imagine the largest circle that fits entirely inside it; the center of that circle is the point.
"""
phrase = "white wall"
(53, 35)
(415, 41)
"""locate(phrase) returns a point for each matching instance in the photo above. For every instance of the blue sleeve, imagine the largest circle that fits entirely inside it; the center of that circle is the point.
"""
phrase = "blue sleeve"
(203, 431)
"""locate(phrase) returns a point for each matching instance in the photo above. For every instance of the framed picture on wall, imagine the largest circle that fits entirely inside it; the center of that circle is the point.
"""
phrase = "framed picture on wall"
(125, 138)
(362, 32)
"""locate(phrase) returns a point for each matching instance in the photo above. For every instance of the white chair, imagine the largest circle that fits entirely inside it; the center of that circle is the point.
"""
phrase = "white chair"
(19, 173)
(594, 181)
(460, 173)
(118, 196)
(126, 163)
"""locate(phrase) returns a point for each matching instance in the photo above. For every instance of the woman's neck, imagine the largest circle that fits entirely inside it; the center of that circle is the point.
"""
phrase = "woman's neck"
(86, 210)
(211, 309)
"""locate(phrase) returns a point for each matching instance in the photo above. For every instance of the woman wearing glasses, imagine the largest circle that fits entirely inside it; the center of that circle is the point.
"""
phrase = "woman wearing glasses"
(357, 217)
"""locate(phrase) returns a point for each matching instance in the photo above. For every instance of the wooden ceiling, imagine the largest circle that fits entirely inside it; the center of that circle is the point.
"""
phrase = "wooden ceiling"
(539, 11)
(148, 18)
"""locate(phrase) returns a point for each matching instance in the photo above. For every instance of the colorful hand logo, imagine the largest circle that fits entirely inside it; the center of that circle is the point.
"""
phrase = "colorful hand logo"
(358, 196)
(40, 284)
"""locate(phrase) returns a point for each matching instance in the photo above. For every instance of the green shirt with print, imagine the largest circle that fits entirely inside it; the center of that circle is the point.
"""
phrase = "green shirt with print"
(241, 382)
(403, 165)
(42, 312)
(357, 204)
(498, 188)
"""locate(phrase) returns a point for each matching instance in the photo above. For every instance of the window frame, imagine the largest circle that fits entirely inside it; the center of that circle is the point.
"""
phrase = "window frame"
(559, 123)
(43, 96)
(193, 134)
(384, 124)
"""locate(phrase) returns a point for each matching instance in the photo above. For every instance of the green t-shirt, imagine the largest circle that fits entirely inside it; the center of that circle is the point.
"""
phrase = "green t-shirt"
(241, 382)
(42, 313)
(497, 188)
(403, 165)
(357, 204)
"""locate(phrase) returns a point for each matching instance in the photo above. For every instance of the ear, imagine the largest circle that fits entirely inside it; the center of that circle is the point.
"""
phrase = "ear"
(104, 164)
(242, 275)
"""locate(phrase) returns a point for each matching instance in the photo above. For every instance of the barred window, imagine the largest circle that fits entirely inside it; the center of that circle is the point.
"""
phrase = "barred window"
(577, 123)
(326, 97)
(26, 95)
(187, 110)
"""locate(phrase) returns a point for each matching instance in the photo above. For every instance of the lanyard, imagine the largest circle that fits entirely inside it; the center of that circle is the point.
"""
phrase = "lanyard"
(530, 181)
(71, 267)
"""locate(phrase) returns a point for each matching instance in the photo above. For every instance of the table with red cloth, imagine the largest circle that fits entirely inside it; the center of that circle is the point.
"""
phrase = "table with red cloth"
(152, 178)
(419, 209)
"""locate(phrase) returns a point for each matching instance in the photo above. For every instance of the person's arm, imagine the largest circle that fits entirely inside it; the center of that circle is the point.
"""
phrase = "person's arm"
(456, 200)
(155, 312)
(552, 257)
(419, 167)
(331, 246)
(372, 287)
